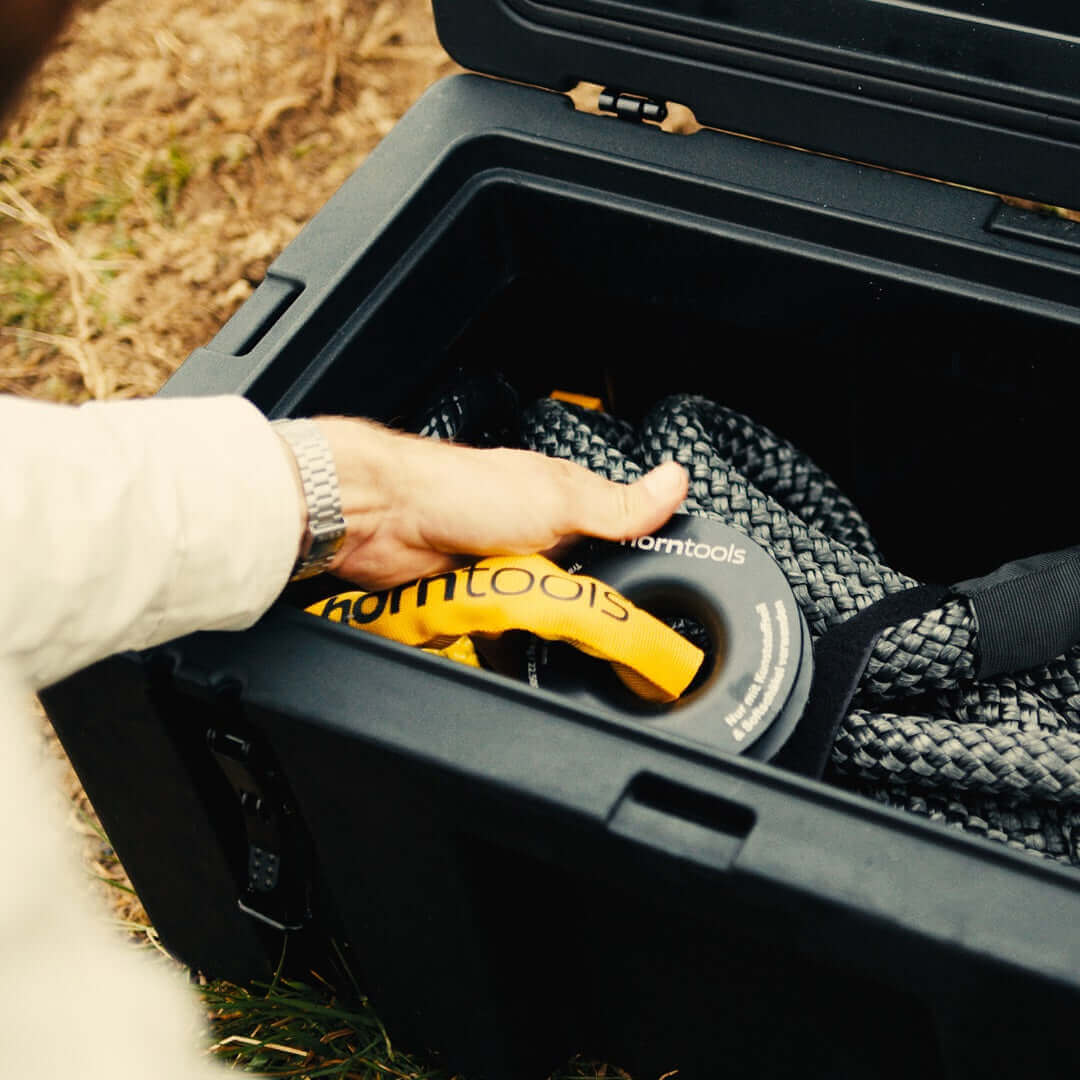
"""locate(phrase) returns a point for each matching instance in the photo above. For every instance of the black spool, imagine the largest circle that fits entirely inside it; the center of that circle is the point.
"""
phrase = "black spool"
(756, 677)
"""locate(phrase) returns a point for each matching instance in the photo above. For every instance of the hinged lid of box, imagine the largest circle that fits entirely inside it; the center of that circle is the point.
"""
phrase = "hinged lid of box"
(980, 92)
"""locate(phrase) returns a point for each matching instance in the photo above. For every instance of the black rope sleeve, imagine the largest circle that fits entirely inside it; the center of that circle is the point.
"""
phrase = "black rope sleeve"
(1027, 612)
(840, 658)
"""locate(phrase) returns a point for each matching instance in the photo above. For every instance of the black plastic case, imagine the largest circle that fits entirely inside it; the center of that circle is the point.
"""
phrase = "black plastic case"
(513, 877)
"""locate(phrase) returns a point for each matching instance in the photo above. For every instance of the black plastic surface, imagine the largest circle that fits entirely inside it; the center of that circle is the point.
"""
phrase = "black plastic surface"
(960, 92)
(518, 877)
(266, 305)
(484, 844)
(683, 262)
(1040, 228)
(164, 804)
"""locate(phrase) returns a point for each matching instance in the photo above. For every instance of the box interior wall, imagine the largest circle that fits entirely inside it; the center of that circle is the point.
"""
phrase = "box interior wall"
(945, 415)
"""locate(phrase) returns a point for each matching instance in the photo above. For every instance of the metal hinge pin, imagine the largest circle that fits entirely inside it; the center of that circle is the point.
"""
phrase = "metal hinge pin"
(631, 106)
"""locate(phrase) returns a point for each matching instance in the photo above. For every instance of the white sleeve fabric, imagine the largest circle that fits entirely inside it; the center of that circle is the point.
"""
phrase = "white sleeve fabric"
(77, 1000)
(121, 525)
(124, 524)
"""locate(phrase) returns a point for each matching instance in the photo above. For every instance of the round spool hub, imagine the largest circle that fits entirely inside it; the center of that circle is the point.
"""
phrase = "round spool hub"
(755, 679)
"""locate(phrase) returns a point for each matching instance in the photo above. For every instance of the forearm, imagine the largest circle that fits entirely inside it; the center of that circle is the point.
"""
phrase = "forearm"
(126, 524)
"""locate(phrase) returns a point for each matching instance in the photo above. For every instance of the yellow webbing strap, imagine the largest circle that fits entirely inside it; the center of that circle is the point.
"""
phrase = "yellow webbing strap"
(586, 401)
(462, 650)
(527, 593)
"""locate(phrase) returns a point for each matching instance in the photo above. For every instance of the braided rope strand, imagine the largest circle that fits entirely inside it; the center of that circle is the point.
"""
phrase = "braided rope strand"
(1041, 829)
(970, 757)
(999, 758)
(782, 471)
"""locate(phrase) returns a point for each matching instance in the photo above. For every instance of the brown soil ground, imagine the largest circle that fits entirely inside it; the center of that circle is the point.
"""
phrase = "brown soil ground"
(164, 154)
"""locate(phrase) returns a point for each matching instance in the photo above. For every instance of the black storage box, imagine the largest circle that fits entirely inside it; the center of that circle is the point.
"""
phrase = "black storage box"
(513, 877)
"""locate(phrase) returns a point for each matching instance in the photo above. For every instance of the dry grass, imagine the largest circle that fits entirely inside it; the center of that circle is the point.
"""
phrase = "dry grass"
(162, 157)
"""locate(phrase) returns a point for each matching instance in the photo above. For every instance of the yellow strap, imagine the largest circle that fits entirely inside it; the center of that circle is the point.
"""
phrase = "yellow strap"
(527, 593)
(462, 650)
(586, 401)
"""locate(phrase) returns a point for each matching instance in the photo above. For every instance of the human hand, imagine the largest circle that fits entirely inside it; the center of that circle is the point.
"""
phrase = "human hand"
(415, 507)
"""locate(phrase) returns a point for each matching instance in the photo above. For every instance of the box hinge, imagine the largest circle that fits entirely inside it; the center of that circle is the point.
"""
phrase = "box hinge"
(277, 889)
(631, 106)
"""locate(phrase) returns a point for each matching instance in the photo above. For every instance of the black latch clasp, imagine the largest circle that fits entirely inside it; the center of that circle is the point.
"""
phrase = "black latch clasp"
(276, 891)
(631, 107)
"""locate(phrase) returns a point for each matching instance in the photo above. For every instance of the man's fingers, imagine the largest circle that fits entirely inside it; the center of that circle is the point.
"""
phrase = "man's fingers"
(414, 507)
(623, 511)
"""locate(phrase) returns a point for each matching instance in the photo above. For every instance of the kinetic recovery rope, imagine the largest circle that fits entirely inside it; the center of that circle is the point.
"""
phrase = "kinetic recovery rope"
(930, 721)
(934, 724)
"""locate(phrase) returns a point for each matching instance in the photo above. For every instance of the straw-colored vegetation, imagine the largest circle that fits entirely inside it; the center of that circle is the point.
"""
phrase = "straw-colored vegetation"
(165, 153)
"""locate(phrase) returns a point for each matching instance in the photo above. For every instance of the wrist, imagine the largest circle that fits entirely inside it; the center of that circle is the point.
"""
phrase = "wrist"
(363, 453)
(322, 522)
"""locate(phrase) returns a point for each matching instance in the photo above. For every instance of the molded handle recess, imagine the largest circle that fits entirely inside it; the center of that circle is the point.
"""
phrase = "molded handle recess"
(682, 821)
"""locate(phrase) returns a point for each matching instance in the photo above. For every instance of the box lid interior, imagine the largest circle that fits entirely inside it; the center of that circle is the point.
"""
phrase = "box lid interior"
(979, 92)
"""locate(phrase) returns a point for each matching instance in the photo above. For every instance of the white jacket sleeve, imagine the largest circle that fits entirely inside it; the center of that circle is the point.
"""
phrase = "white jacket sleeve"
(77, 1000)
(125, 524)
(121, 525)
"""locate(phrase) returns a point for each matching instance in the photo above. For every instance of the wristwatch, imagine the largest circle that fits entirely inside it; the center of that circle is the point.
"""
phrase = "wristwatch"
(325, 532)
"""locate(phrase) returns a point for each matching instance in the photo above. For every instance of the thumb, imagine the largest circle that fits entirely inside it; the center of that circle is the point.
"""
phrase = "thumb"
(624, 511)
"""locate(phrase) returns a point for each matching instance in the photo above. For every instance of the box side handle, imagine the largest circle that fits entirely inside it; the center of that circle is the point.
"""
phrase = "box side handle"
(682, 821)
(254, 319)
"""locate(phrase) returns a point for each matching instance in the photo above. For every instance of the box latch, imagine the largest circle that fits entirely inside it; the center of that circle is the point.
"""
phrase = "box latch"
(277, 872)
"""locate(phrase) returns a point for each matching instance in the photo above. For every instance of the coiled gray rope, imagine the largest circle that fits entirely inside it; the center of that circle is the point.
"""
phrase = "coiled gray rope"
(1000, 758)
